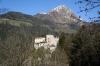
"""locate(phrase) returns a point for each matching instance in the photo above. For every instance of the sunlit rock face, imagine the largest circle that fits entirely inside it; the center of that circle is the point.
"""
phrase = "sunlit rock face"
(48, 42)
(63, 11)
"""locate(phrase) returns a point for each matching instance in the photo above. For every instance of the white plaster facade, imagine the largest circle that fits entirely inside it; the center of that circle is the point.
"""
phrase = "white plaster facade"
(39, 40)
(50, 41)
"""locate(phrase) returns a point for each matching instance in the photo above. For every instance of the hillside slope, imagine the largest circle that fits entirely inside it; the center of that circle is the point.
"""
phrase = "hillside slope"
(58, 20)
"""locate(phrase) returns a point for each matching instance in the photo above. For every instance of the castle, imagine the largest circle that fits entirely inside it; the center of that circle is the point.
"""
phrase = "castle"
(49, 41)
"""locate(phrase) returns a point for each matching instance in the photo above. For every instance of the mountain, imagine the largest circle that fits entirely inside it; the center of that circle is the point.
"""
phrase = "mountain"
(16, 16)
(63, 18)
(63, 11)
(35, 25)
(60, 14)
(58, 20)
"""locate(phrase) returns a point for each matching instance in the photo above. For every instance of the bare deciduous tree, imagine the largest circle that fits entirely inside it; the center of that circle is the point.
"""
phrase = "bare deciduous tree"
(89, 5)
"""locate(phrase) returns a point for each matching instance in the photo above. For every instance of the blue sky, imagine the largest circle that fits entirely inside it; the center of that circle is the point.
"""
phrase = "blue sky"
(35, 6)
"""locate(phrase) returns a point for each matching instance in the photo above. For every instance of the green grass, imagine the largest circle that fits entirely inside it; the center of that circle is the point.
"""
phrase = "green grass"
(14, 22)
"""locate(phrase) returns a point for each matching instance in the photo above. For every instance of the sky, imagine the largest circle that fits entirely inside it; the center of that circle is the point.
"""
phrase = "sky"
(33, 7)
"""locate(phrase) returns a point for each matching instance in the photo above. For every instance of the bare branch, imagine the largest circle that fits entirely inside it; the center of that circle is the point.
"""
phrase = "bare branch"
(86, 9)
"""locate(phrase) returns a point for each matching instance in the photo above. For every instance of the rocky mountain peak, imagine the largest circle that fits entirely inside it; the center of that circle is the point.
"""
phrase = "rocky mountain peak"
(63, 12)
(60, 15)
(60, 7)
